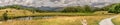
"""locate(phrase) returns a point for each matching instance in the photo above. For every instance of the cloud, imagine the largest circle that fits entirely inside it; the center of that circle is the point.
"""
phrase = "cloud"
(54, 3)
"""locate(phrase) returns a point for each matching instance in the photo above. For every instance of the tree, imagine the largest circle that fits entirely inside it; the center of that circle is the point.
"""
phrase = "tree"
(1, 8)
(87, 8)
(106, 8)
(72, 9)
(115, 9)
(13, 6)
(5, 16)
(81, 9)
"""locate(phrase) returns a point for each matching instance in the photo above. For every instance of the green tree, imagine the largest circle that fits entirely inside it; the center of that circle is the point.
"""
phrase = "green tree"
(87, 8)
(81, 9)
(72, 9)
(115, 9)
(106, 8)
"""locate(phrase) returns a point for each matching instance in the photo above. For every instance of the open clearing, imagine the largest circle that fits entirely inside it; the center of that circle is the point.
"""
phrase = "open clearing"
(61, 20)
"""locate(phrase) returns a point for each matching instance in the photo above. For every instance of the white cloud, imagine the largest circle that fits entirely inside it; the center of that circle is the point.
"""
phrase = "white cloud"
(57, 3)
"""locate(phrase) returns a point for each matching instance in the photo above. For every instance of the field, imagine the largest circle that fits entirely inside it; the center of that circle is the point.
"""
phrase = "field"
(69, 15)
(116, 21)
(60, 20)
(16, 13)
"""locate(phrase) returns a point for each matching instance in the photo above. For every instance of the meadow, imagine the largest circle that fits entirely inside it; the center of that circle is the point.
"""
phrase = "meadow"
(73, 15)
(60, 20)
(12, 13)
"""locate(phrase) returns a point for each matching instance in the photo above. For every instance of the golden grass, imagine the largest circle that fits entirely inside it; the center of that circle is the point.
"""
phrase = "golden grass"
(116, 21)
(15, 13)
(57, 20)
(61, 20)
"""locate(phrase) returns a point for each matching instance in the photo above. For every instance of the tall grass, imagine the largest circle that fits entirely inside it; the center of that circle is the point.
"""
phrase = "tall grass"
(60, 20)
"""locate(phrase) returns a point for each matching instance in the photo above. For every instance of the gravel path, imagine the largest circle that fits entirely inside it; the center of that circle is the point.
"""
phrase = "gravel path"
(107, 21)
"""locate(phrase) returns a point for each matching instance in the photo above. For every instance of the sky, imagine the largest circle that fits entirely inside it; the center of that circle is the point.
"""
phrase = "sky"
(58, 3)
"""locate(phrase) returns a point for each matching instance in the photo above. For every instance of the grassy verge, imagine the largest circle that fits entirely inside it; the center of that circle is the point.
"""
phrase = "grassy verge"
(116, 21)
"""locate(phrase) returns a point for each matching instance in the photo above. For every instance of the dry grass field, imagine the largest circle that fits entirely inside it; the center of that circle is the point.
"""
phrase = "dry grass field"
(15, 13)
(60, 20)
(19, 13)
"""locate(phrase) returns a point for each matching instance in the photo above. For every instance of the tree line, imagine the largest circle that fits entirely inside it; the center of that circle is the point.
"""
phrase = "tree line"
(112, 8)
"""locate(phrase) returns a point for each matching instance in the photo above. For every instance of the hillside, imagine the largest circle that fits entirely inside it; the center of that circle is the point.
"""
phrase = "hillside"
(15, 12)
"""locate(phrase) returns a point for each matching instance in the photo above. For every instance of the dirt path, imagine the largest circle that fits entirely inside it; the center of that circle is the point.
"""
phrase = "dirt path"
(107, 21)
(84, 22)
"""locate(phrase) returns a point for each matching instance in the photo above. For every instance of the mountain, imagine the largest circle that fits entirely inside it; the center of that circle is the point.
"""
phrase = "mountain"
(58, 3)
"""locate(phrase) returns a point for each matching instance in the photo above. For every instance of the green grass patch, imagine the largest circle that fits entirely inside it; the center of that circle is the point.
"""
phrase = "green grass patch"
(116, 21)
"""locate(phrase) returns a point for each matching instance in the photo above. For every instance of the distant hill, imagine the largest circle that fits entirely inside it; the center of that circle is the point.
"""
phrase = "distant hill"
(30, 8)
